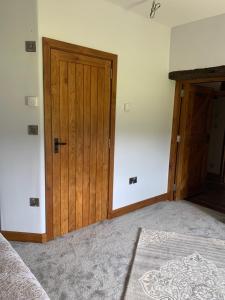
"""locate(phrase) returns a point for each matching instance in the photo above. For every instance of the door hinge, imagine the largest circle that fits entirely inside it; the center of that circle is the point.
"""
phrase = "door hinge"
(178, 139)
(174, 187)
(182, 93)
(109, 143)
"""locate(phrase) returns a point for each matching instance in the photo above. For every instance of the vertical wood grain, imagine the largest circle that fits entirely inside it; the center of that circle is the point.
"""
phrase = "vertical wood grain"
(72, 144)
(93, 150)
(64, 149)
(69, 189)
(87, 142)
(80, 143)
(55, 75)
(193, 150)
(113, 90)
(99, 182)
(106, 135)
(174, 144)
(48, 141)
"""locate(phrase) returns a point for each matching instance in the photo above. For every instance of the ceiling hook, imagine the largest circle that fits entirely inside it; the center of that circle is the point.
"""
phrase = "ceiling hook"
(155, 7)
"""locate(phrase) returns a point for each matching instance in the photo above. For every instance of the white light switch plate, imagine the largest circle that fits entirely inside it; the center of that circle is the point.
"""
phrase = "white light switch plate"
(32, 101)
(127, 107)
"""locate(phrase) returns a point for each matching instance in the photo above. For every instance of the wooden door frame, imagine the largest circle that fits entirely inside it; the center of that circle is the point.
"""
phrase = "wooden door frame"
(222, 162)
(48, 45)
(181, 84)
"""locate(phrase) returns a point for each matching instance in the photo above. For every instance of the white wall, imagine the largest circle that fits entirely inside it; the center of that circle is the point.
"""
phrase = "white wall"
(198, 45)
(143, 135)
(20, 164)
(216, 136)
(201, 44)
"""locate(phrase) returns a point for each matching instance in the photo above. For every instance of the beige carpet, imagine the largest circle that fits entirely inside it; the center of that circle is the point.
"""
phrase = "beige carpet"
(172, 266)
(93, 263)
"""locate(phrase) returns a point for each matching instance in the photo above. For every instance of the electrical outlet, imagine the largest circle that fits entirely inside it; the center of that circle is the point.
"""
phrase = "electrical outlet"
(133, 180)
(34, 202)
(30, 46)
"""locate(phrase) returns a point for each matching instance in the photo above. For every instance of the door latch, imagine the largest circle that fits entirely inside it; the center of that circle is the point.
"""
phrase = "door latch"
(57, 144)
(178, 139)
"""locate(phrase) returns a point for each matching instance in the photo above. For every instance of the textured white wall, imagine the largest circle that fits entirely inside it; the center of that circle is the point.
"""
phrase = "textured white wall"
(20, 163)
(198, 45)
(143, 135)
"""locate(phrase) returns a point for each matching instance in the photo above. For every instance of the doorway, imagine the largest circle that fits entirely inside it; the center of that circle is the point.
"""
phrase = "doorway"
(79, 90)
(197, 147)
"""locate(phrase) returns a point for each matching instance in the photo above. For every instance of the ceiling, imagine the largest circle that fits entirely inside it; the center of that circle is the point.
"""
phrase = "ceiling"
(175, 12)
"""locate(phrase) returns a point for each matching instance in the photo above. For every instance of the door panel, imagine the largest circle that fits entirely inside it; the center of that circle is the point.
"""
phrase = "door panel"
(196, 114)
(106, 129)
(56, 165)
(99, 170)
(79, 139)
(87, 143)
(72, 144)
(93, 146)
(80, 94)
(63, 111)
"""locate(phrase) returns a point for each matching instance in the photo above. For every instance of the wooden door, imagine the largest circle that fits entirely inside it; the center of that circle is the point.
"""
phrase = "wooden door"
(78, 167)
(196, 112)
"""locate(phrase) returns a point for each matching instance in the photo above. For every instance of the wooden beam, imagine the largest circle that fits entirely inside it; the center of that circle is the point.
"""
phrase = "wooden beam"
(198, 73)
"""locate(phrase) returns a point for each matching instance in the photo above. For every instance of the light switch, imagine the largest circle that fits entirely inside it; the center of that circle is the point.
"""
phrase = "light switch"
(32, 101)
(32, 129)
(127, 107)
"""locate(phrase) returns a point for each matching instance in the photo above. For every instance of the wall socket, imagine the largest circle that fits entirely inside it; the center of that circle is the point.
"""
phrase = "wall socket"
(133, 180)
(30, 46)
(34, 202)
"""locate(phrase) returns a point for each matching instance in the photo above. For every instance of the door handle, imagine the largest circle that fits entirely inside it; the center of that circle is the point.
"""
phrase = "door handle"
(57, 144)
